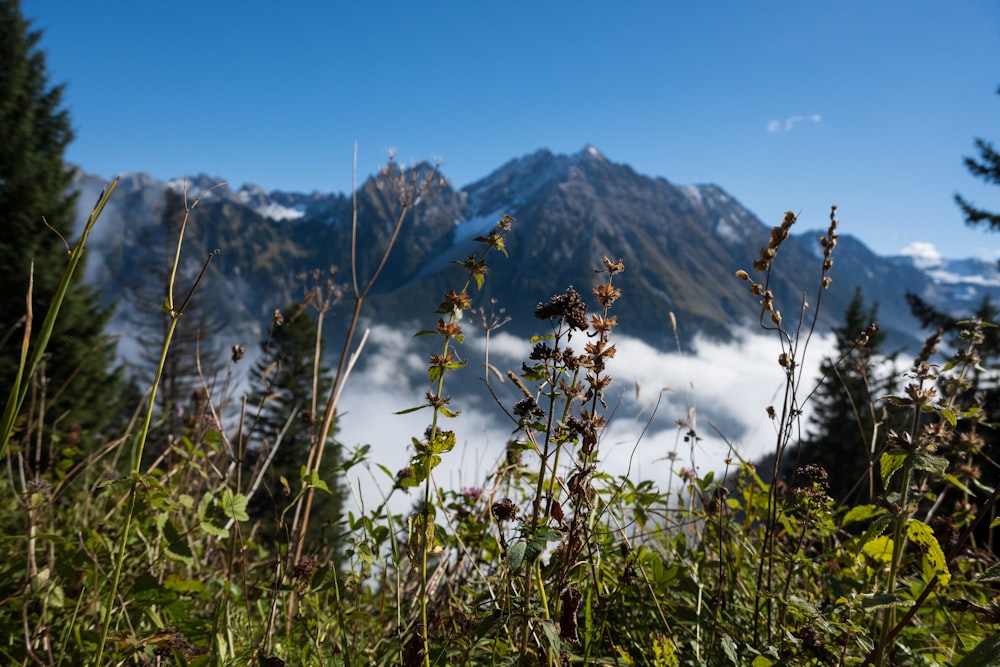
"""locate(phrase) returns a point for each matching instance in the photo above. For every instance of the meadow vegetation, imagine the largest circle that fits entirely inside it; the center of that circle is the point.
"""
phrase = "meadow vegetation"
(204, 551)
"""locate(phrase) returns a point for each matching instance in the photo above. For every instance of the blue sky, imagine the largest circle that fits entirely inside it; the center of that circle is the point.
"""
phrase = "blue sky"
(787, 105)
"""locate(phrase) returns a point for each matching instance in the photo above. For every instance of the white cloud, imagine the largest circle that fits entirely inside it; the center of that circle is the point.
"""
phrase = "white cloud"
(724, 386)
(788, 124)
(924, 254)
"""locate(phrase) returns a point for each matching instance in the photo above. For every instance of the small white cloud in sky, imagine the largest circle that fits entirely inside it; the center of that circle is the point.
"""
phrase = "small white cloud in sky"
(924, 254)
(776, 126)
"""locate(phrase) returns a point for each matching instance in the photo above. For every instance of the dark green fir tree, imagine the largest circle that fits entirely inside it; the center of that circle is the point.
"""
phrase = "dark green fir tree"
(290, 416)
(987, 168)
(843, 438)
(77, 379)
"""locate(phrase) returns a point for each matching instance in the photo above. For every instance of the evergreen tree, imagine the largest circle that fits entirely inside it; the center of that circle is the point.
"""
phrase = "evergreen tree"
(987, 168)
(283, 381)
(845, 405)
(194, 350)
(37, 213)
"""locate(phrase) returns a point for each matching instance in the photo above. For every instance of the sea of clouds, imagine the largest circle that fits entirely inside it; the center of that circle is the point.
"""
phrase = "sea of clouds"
(721, 390)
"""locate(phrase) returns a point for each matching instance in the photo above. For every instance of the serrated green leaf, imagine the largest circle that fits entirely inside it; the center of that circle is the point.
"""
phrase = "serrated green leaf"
(207, 510)
(921, 534)
(992, 573)
(889, 464)
(234, 505)
(883, 601)
(930, 463)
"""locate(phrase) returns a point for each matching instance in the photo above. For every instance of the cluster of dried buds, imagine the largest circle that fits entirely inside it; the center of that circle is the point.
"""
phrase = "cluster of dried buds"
(829, 242)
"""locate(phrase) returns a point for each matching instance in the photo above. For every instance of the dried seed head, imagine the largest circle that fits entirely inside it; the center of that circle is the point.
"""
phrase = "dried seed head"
(611, 267)
(743, 275)
(606, 294)
(568, 307)
(504, 511)
(238, 352)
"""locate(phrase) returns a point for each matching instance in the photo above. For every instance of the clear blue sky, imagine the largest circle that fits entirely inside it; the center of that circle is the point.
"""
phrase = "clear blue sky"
(787, 105)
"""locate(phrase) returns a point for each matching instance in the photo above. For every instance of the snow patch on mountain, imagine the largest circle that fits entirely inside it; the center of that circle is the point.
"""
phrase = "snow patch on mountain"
(480, 225)
(693, 193)
(943, 271)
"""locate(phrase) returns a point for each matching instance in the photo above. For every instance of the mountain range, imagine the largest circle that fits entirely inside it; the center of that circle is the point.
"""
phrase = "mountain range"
(681, 246)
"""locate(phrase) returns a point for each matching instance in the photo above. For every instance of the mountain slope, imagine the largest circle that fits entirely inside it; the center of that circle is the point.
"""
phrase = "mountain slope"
(681, 246)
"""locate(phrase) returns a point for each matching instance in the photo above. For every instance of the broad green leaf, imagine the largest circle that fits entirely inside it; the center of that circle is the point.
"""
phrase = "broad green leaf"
(235, 505)
(922, 535)
(862, 513)
(879, 549)
(365, 553)
(930, 463)
(176, 546)
(515, 556)
(207, 516)
(313, 480)
(951, 479)
(762, 661)
(986, 654)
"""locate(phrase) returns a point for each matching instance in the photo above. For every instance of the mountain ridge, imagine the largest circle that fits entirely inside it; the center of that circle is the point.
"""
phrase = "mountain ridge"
(681, 245)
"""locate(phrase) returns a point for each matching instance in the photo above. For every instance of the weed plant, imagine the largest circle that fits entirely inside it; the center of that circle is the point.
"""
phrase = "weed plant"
(113, 558)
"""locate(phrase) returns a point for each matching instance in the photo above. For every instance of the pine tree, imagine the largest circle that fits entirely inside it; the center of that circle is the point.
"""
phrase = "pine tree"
(987, 168)
(844, 405)
(283, 380)
(37, 213)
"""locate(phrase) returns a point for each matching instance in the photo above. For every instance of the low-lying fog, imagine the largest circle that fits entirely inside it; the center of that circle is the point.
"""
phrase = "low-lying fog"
(725, 387)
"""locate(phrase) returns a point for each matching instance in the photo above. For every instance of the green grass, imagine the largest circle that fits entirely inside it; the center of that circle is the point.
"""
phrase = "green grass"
(126, 559)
